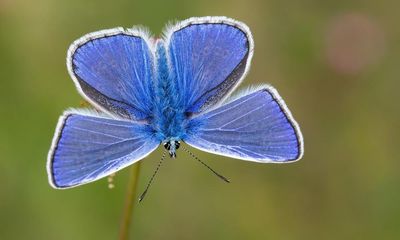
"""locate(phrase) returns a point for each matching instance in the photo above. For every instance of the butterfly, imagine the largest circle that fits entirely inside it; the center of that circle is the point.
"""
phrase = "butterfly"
(150, 92)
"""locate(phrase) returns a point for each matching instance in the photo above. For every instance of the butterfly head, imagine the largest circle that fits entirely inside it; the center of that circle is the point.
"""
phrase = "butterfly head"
(171, 146)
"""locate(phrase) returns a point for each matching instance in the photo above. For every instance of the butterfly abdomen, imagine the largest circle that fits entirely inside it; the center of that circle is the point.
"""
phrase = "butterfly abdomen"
(169, 120)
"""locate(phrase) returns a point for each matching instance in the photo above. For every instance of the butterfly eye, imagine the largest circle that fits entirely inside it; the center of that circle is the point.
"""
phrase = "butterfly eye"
(188, 114)
(177, 144)
(167, 145)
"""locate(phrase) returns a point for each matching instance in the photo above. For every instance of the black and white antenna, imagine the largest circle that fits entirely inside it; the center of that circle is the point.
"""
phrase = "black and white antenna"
(152, 177)
(204, 164)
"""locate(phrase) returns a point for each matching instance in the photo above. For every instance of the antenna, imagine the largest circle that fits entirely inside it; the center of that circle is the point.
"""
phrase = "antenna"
(204, 164)
(152, 177)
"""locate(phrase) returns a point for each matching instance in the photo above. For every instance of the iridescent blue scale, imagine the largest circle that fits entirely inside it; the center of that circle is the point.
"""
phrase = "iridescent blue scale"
(149, 92)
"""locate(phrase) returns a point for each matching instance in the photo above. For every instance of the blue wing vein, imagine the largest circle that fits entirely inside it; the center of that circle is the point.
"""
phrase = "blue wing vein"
(256, 127)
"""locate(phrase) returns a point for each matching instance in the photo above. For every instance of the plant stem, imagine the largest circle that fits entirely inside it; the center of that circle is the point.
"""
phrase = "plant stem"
(130, 201)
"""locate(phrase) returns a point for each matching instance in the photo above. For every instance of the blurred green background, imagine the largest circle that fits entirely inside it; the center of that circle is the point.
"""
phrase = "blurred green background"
(336, 64)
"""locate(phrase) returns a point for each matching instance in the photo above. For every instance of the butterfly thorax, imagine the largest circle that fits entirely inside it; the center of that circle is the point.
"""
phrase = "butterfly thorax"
(169, 121)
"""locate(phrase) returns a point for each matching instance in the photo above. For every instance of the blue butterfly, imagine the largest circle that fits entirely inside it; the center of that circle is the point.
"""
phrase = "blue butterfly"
(177, 88)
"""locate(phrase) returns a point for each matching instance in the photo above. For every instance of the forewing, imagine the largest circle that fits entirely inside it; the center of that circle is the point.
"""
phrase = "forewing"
(113, 69)
(257, 127)
(208, 57)
(87, 147)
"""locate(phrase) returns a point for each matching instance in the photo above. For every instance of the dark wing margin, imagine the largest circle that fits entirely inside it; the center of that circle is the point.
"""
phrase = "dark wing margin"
(209, 57)
(88, 146)
(214, 95)
(256, 126)
(113, 70)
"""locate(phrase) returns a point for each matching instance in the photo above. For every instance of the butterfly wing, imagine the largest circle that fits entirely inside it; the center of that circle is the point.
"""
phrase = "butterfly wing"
(257, 127)
(208, 56)
(87, 146)
(113, 70)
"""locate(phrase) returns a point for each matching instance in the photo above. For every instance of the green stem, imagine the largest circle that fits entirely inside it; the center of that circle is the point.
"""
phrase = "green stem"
(130, 201)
